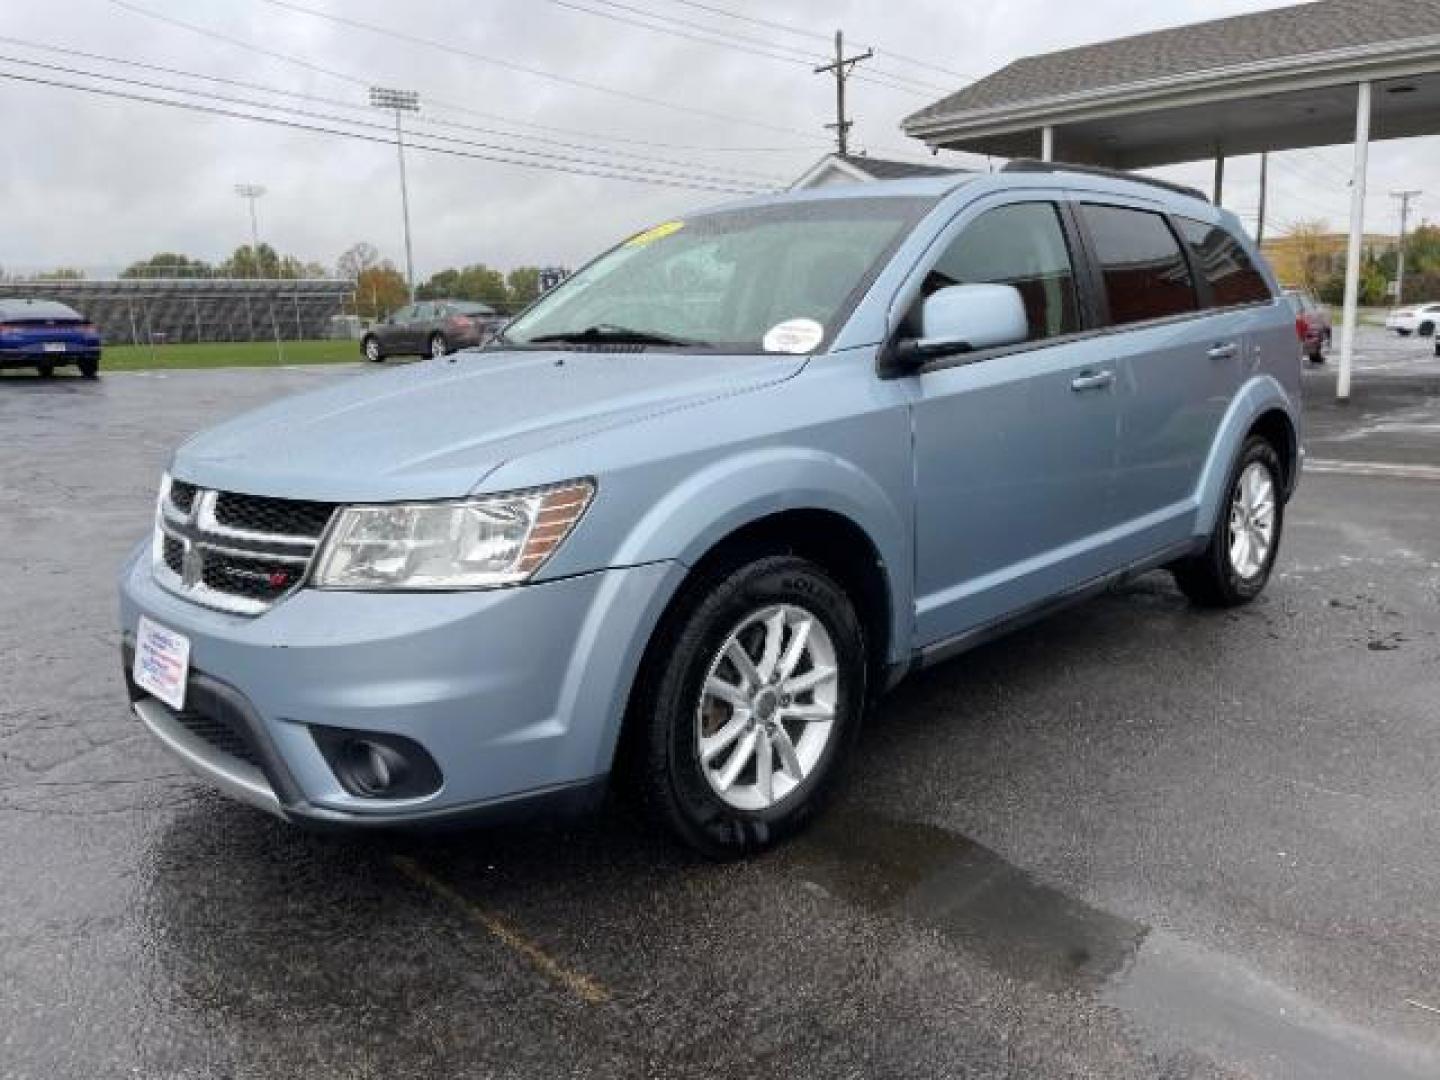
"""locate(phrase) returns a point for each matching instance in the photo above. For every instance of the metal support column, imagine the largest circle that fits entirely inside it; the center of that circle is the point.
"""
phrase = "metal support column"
(1047, 143)
(1357, 233)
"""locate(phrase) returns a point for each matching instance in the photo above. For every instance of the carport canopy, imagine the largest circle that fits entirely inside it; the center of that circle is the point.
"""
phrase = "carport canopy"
(1315, 74)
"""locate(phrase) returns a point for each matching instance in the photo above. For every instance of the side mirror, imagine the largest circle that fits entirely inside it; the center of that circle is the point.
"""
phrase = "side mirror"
(961, 319)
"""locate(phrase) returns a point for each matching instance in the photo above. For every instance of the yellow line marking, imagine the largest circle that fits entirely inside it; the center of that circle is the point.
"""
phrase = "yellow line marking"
(582, 986)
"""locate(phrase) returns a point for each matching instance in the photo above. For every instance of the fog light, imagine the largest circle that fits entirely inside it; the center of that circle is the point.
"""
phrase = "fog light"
(378, 765)
(373, 768)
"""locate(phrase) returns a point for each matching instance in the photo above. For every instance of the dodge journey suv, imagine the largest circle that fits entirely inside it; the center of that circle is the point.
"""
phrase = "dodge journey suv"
(701, 504)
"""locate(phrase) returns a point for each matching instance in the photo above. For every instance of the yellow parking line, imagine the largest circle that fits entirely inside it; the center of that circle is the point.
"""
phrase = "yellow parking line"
(582, 986)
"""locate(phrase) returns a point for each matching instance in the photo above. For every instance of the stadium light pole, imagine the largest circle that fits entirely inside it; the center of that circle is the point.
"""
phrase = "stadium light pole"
(251, 193)
(400, 102)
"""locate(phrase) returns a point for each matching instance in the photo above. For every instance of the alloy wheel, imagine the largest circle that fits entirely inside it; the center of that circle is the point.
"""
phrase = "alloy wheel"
(1252, 521)
(767, 709)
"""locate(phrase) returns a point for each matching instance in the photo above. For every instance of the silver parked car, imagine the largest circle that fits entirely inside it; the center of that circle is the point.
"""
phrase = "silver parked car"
(702, 504)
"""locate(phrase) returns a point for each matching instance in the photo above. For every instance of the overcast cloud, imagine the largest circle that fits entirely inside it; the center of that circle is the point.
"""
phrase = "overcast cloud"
(96, 182)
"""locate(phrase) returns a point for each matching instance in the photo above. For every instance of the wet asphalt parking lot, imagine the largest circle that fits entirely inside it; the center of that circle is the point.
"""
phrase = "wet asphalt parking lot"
(1133, 841)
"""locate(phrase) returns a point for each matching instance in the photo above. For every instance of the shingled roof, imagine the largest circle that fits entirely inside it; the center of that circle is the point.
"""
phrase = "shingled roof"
(886, 169)
(1277, 34)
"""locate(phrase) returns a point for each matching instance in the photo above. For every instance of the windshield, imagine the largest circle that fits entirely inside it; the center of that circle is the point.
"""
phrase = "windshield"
(778, 278)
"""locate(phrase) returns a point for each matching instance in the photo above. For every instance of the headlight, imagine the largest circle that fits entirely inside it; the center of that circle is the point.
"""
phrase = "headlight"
(475, 544)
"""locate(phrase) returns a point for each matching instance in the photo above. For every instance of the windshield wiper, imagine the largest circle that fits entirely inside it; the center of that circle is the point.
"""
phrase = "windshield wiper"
(608, 333)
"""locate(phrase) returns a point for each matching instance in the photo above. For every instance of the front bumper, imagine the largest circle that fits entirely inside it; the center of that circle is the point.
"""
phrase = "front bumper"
(517, 694)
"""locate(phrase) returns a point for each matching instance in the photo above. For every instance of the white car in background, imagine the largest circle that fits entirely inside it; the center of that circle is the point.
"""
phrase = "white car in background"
(1419, 319)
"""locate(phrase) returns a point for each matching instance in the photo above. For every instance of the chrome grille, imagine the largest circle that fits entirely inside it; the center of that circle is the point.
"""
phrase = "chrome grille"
(233, 551)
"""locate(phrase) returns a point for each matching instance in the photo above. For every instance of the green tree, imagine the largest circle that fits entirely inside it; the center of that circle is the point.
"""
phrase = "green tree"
(522, 285)
(264, 262)
(1422, 250)
(476, 282)
(167, 264)
(60, 273)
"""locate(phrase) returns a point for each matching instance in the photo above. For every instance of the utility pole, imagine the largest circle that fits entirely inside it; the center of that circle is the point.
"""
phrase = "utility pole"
(1404, 197)
(1260, 213)
(251, 193)
(842, 66)
(400, 101)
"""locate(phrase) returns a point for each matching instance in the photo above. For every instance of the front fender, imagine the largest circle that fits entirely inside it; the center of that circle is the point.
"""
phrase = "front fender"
(704, 507)
(1262, 394)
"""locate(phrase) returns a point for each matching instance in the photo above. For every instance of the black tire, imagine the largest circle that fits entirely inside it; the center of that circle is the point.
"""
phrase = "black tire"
(89, 367)
(1209, 579)
(1427, 329)
(438, 346)
(1402, 333)
(662, 735)
(46, 371)
(370, 349)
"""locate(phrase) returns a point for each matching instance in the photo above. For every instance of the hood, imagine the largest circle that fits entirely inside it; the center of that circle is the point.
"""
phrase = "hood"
(436, 429)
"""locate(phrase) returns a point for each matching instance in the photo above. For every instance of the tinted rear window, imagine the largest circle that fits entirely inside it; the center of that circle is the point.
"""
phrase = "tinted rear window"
(1226, 266)
(1145, 272)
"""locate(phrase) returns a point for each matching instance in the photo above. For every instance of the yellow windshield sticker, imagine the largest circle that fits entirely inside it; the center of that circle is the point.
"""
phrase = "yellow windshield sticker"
(659, 232)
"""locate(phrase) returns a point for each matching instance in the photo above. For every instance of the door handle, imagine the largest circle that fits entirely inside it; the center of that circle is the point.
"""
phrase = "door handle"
(1228, 351)
(1092, 380)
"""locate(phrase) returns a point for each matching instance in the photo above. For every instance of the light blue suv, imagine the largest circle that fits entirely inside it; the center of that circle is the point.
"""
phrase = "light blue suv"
(702, 504)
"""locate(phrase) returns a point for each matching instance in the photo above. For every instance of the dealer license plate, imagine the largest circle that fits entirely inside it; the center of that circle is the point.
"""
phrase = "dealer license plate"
(162, 662)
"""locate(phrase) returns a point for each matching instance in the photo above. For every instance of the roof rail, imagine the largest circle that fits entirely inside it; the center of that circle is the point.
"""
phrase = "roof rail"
(1030, 165)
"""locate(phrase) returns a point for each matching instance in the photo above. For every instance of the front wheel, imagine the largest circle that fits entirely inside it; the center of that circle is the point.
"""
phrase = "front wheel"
(1427, 329)
(371, 348)
(746, 713)
(1235, 566)
(438, 346)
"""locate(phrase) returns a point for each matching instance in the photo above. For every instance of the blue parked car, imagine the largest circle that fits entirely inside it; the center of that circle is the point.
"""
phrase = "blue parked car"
(698, 507)
(44, 335)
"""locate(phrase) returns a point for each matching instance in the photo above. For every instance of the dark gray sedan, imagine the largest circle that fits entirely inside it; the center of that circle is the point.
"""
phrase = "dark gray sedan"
(431, 328)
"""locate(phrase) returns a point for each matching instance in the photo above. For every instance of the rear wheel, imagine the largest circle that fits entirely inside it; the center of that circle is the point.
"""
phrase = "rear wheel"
(745, 715)
(370, 347)
(45, 370)
(1236, 564)
(1427, 329)
(90, 367)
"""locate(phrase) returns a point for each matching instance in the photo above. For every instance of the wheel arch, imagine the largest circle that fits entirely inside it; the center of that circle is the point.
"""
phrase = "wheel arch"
(1262, 407)
(833, 541)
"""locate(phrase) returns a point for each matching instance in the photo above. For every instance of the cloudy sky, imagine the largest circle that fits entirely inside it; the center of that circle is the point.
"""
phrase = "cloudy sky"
(97, 181)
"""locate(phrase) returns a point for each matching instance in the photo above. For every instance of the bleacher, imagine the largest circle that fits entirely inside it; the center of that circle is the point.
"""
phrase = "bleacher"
(138, 311)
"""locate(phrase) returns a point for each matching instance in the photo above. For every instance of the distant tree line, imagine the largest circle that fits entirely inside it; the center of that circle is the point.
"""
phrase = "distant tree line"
(1323, 271)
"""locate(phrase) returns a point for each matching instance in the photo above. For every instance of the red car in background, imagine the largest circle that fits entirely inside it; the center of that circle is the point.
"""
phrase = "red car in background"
(1312, 323)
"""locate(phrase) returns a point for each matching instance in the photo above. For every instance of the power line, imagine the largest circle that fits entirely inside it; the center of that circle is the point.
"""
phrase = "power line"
(786, 28)
(664, 24)
(356, 80)
(337, 103)
(559, 164)
(617, 166)
(509, 65)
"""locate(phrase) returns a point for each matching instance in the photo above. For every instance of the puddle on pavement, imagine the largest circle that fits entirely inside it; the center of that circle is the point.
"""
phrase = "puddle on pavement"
(1182, 994)
(940, 879)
